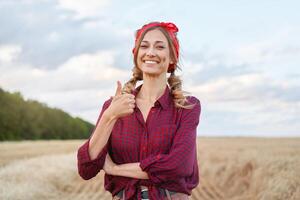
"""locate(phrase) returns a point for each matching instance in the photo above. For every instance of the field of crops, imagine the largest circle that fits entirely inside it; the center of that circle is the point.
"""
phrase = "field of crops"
(230, 168)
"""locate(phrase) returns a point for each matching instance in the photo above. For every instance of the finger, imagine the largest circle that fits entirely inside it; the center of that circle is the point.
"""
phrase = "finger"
(131, 105)
(119, 88)
(131, 101)
(130, 96)
(117, 97)
(130, 110)
(128, 101)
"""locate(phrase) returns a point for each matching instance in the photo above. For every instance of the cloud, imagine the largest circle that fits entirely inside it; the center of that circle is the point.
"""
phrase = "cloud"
(251, 89)
(83, 8)
(262, 52)
(78, 86)
(9, 53)
(70, 53)
(49, 35)
(250, 102)
(280, 47)
(201, 66)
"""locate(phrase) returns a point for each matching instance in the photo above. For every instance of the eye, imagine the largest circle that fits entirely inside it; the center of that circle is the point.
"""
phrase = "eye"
(160, 47)
(143, 46)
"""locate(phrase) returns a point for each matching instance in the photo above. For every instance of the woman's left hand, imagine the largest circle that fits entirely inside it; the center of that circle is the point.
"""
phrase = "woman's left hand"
(108, 165)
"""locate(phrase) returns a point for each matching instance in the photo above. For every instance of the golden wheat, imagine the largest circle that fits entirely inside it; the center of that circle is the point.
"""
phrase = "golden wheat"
(230, 168)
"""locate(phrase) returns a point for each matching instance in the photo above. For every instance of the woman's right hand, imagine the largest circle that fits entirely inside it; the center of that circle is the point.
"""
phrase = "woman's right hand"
(122, 104)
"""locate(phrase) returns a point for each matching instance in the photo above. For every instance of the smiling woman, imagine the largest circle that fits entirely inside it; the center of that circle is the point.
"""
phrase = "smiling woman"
(145, 137)
(153, 55)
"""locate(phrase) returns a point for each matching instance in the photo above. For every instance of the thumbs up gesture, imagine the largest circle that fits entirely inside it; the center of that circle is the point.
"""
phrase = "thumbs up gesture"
(122, 104)
(119, 88)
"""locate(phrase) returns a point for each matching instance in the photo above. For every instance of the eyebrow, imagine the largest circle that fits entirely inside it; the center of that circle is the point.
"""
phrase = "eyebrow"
(155, 41)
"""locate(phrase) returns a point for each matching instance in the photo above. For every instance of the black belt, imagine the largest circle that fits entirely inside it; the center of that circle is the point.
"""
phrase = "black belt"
(145, 194)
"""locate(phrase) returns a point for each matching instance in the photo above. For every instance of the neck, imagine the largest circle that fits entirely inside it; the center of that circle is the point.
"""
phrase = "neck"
(152, 88)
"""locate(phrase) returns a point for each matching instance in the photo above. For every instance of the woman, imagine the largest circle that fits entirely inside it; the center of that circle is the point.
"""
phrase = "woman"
(145, 137)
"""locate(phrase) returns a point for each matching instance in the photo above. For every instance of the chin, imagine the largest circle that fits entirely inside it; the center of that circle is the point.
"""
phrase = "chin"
(153, 74)
(152, 71)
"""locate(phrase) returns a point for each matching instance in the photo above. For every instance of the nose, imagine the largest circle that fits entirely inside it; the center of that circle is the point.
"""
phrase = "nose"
(150, 52)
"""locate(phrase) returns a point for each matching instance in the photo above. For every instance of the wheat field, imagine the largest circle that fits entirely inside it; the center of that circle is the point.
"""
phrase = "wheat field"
(230, 168)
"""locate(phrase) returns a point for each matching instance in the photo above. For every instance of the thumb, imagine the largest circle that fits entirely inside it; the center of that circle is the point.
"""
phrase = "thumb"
(119, 88)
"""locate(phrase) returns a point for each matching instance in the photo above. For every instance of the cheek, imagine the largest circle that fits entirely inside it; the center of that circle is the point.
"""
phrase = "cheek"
(165, 59)
(138, 58)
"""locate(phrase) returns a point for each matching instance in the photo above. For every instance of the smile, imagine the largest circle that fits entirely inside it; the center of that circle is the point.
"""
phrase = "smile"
(150, 62)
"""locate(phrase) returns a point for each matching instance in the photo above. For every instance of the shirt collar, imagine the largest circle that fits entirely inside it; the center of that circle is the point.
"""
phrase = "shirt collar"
(165, 100)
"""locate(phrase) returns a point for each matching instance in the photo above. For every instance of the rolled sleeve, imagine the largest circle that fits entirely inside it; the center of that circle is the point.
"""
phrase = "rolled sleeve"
(88, 168)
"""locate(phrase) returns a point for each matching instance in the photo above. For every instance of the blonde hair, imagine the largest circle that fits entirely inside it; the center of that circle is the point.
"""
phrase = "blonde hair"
(175, 83)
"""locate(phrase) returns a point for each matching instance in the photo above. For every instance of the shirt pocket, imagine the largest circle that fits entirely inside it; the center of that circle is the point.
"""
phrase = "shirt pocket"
(161, 138)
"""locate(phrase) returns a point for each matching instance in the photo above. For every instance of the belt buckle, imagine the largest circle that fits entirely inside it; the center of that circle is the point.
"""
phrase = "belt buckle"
(144, 190)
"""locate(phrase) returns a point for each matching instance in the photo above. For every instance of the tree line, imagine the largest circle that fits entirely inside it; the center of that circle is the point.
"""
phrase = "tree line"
(31, 120)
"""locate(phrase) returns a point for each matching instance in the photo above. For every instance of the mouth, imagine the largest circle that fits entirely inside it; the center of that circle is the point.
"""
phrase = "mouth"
(150, 61)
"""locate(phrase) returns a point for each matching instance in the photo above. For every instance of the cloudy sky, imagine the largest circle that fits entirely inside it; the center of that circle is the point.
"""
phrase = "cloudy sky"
(240, 58)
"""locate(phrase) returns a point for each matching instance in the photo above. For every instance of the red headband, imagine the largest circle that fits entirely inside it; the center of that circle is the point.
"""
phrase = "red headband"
(170, 28)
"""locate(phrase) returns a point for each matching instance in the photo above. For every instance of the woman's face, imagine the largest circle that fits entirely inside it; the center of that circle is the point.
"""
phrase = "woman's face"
(153, 56)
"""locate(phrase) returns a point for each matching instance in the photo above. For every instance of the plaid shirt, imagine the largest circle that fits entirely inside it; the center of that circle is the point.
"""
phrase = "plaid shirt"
(164, 145)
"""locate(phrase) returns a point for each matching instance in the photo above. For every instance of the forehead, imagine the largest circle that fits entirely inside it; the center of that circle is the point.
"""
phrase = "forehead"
(155, 35)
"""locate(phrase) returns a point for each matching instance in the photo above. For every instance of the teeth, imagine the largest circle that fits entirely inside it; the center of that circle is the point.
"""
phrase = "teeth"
(150, 61)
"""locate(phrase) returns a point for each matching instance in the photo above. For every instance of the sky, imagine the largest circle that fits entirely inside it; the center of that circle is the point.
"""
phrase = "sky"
(241, 59)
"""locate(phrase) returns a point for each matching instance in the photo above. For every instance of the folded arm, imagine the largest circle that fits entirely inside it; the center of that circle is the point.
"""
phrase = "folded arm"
(132, 170)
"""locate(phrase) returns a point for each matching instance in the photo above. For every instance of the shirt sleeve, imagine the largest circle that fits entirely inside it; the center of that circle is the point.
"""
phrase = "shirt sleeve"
(182, 156)
(88, 168)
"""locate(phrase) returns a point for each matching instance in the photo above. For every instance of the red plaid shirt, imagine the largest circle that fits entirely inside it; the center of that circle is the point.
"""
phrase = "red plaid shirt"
(165, 146)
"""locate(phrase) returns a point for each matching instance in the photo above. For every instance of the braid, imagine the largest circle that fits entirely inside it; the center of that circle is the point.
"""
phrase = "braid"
(129, 86)
(175, 84)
